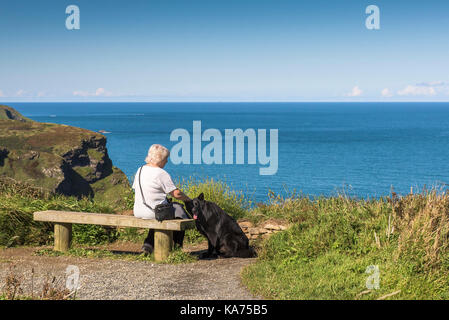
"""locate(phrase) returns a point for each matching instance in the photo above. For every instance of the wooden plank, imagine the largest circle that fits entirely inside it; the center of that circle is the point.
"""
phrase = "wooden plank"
(112, 220)
(163, 244)
(63, 236)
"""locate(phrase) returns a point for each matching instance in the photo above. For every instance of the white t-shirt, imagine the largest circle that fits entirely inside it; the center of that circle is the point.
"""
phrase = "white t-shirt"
(156, 184)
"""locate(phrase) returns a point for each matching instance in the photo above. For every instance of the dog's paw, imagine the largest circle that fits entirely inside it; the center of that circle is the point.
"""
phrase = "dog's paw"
(207, 255)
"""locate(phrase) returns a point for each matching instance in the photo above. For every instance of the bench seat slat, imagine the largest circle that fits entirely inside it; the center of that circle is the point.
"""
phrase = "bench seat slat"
(112, 220)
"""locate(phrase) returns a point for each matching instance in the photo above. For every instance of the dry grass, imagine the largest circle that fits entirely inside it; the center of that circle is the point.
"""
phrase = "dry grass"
(422, 222)
(52, 288)
(331, 241)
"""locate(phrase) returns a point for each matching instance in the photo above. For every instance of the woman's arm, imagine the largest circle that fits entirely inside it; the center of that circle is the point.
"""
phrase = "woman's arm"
(178, 194)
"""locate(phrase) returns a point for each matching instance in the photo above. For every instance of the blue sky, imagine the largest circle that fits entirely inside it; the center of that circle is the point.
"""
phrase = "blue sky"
(233, 50)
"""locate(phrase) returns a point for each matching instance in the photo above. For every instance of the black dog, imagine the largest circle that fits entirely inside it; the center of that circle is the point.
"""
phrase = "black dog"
(225, 237)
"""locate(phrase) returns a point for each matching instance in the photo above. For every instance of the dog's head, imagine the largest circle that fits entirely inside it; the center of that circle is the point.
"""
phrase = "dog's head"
(197, 206)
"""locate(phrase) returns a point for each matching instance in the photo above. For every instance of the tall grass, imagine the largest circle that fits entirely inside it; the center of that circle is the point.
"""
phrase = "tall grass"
(233, 202)
(18, 201)
(324, 254)
(331, 242)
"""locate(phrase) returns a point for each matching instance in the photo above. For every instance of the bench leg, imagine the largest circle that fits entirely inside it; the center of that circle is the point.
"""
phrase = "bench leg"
(163, 243)
(63, 236)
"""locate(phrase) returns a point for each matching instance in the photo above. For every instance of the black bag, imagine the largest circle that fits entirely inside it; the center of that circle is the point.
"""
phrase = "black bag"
(163, 211)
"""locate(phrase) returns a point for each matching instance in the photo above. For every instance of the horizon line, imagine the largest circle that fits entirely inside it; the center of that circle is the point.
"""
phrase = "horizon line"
(232, 101)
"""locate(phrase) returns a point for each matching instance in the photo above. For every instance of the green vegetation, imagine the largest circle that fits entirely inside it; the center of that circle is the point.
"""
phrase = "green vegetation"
(8, 113)
(324, 254)
(18, 201)
(331, 242)
(233, 202)
(59, 158)
(175, 257)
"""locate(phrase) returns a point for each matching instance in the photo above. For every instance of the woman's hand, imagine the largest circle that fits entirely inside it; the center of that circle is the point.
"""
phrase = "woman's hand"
(178, 194)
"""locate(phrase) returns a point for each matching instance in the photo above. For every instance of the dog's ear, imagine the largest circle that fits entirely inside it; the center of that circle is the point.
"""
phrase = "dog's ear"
(201, 197)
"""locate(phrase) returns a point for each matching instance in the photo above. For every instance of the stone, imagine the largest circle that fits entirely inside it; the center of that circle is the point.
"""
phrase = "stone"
(271, 226)
(245, 224)
(253, 231)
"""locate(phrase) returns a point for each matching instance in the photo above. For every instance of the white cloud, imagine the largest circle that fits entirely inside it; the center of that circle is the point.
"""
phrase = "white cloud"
(1, 93)
(417, 91)
(20, 93)
(356, 92)
(81, 93)
(386, 93)
(100, 92)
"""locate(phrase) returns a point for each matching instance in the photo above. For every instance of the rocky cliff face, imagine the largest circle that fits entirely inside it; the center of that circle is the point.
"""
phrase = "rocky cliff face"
(58, 158)
(8, 113)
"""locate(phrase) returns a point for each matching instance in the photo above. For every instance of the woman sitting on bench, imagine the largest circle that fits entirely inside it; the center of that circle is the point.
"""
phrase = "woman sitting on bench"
(152, 189)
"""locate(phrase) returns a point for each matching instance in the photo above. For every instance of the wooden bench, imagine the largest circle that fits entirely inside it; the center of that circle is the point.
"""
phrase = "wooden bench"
(163, 231)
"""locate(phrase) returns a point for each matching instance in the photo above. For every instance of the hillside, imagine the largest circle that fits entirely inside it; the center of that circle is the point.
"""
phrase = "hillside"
(58, 158)
(8, 113)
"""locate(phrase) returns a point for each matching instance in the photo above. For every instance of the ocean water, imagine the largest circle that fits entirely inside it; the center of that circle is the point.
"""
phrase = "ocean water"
(362, 149)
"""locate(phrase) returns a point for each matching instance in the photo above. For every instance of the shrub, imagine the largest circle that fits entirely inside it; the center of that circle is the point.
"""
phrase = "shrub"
(232, 202)
(331, 242)
(18, 201)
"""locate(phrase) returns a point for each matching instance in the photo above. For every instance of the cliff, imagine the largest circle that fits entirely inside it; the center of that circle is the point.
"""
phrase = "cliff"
(58, 158)
(8, 113)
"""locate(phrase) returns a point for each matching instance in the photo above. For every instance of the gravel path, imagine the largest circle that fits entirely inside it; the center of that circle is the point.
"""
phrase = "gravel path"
(120, 279)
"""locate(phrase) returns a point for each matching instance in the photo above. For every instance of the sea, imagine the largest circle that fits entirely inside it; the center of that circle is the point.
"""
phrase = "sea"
(363, 150)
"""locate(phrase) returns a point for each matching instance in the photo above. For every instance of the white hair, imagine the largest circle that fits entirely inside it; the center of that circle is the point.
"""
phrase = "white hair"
(157, 154)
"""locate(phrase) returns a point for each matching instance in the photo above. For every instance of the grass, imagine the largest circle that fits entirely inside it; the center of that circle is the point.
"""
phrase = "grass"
(332, 241)
(233, 202)
(325, 253)
(176, 256)
(53, 288)
(19, 201)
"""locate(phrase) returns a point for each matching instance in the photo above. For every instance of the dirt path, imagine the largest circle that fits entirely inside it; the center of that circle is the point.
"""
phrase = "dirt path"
(120, 279)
